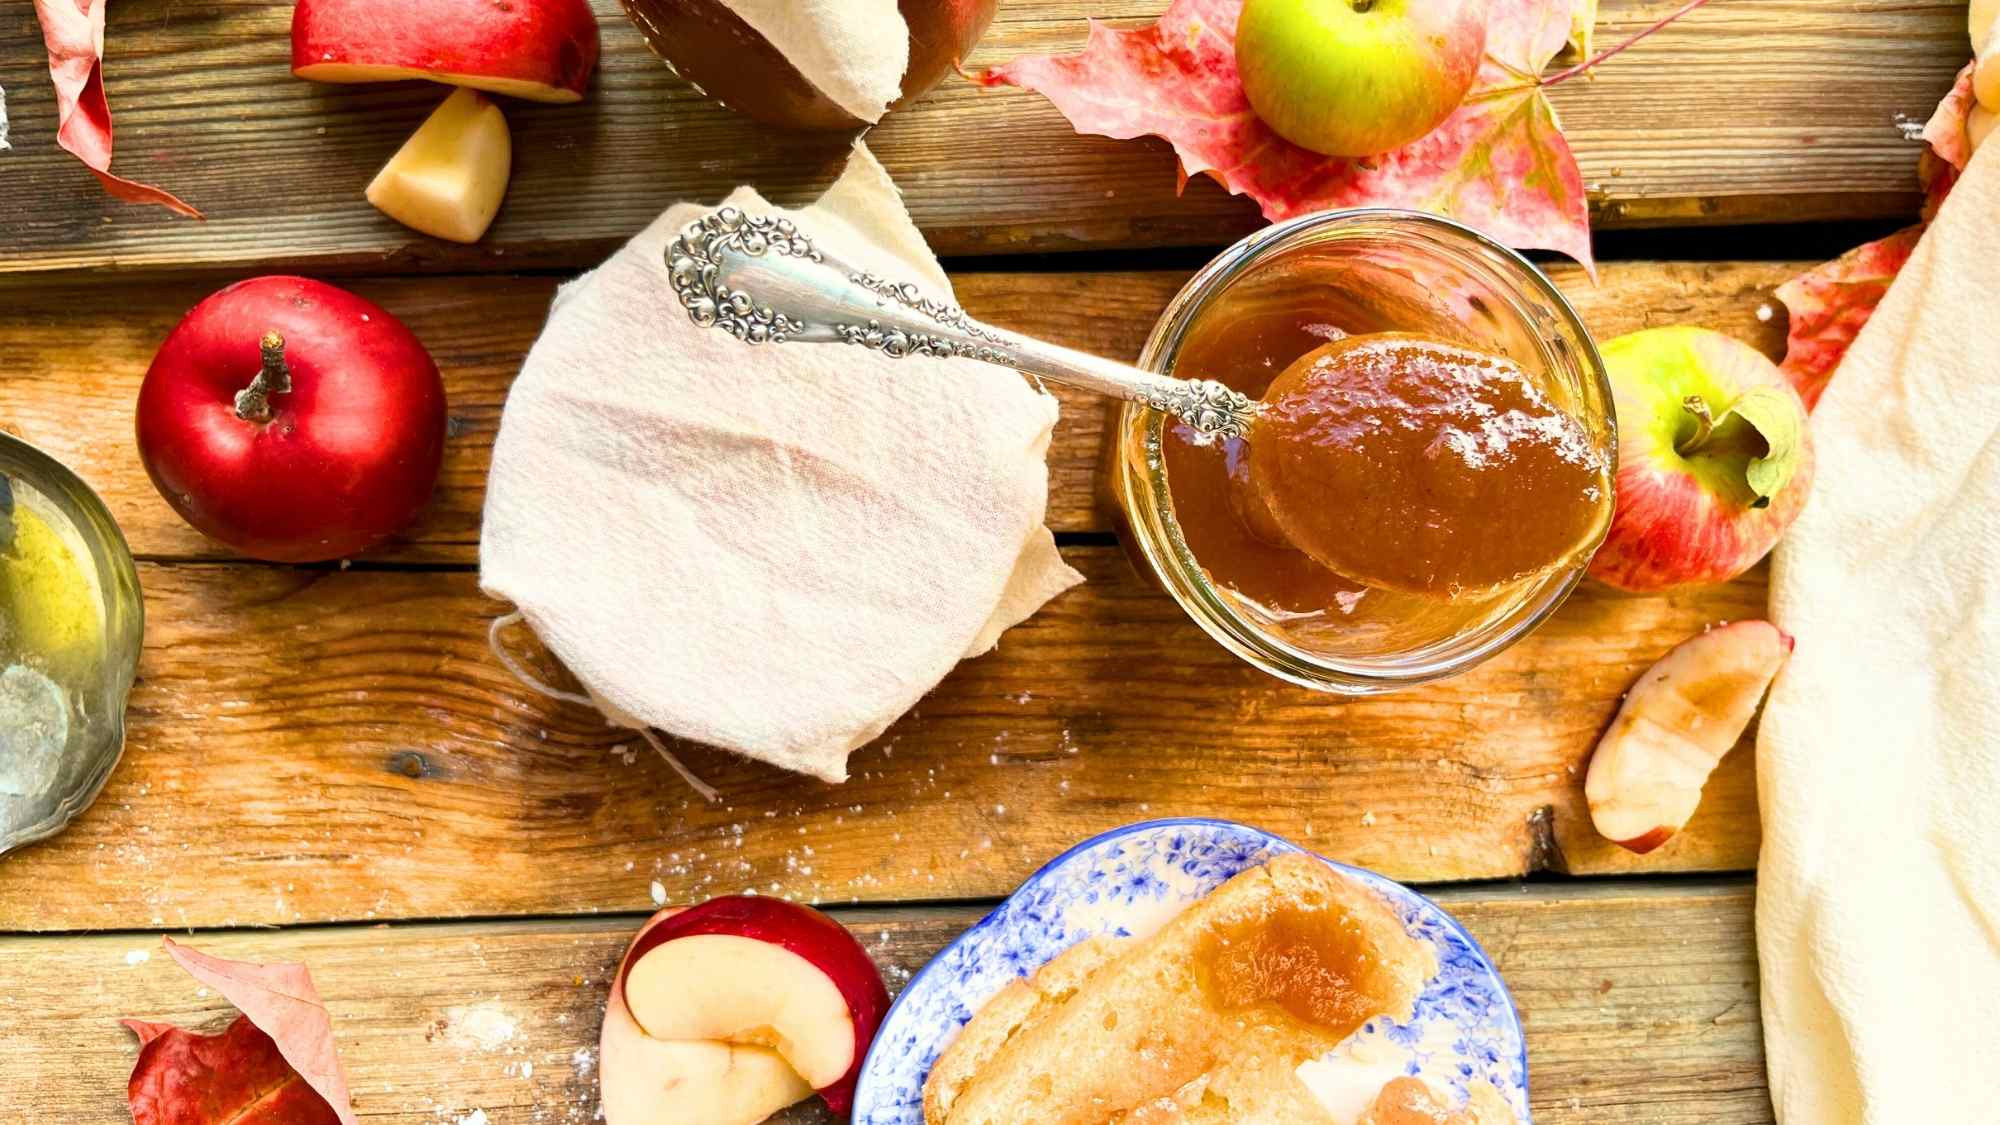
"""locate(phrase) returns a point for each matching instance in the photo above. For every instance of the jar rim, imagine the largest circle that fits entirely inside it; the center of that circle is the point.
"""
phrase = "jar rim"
(1141, 481)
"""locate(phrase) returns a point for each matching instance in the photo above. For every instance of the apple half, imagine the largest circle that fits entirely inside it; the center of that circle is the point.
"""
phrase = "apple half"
(541, 50)
(727, 1012)
(448, 179)
(1676, 724)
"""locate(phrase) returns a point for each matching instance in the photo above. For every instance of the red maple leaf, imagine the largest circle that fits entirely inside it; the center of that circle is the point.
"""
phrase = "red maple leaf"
(275, 1065)
(237, 1077)
(1829, 303)
(1499, 163)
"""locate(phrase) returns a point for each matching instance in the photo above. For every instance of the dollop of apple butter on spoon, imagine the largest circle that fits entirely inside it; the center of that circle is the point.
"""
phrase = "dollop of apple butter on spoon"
(1415, 465)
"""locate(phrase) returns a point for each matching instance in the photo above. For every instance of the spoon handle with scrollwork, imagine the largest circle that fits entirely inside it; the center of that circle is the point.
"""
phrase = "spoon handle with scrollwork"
(765, 281)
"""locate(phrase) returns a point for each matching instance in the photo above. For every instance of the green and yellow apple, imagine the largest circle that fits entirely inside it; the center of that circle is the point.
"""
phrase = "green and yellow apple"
(1358, 77)
(1714, 459)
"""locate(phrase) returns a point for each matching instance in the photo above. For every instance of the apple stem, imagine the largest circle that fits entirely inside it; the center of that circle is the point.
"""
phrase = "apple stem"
(1704, 427)
(1579, 68)
(253, 403)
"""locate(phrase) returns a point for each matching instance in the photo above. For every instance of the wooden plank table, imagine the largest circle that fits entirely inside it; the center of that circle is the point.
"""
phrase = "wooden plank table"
(325, 763)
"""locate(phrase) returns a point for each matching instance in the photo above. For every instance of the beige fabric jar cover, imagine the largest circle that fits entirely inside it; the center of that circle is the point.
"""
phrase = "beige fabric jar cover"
(775, 550)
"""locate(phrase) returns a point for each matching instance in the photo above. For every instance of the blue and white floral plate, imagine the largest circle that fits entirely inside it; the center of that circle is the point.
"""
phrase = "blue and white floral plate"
(1130, 881)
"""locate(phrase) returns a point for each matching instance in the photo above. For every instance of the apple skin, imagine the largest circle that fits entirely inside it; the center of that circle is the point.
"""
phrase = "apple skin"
(541, 50)
(1346, 82)
(1687, 520)
(346, 458)
(1677, 722)
(801, 930)
(710, 46)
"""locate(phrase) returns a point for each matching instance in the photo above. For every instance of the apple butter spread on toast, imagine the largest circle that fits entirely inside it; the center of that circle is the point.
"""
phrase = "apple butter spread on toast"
(1207, 1020)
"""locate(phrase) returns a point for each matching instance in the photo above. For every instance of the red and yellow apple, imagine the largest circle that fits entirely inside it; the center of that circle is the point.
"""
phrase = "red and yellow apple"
(1677, 722)
(448, 179)
(1358, 77)
(1714, 459)
(709, 44)
(727, 1012)
(541, 50)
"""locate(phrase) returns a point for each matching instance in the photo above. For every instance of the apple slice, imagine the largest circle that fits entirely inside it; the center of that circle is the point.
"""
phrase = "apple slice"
(541, 50)
(646, 1081)
(448, 179)
(1677, 722)
(776, 980)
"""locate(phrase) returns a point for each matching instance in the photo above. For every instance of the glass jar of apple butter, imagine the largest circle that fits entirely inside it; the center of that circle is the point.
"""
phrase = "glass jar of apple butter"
(1453, 579)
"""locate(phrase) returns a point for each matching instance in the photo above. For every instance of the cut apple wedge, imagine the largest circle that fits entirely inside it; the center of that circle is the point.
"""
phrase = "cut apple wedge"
(1677, 722)
(739, 1006)
(448, 179)
(541, 50)
(647, 1081)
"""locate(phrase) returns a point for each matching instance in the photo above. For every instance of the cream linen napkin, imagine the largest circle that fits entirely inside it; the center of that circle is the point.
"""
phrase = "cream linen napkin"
(778, 550)
(1878, 760)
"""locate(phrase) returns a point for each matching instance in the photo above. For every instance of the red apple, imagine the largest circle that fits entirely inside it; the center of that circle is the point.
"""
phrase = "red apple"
(1676, 723)
(707, 43)
(759, 981)
(293, 421)
(541, 50)
(1714, 459)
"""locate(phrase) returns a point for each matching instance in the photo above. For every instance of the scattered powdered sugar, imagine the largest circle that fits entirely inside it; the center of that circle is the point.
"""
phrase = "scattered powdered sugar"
(138, 957)
(476, 1117)
(659, 892)
(485, 1026)
(583, 1061)
(1911, 128)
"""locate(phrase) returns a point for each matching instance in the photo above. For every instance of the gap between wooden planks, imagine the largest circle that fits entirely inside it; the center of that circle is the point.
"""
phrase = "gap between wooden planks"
(320, 745)
(1769, 110)
(1640, 1002)
(74, 356)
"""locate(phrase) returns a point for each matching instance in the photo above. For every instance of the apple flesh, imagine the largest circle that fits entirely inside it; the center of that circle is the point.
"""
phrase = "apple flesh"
(710, 45)
(647, 1081)
(1677, 722)
(292, 420)
(448, 179)
(1714, 459)
(541, 50)
(1358, 77)
(771, 979)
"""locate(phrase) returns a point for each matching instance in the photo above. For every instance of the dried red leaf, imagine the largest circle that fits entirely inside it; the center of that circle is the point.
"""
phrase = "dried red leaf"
(1828, 304)
(73, 31)
(280, 999)
(1499, 163)
(238, 1077)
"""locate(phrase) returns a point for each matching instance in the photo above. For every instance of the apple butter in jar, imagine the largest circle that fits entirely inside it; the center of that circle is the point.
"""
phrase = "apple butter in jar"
(1432, 470)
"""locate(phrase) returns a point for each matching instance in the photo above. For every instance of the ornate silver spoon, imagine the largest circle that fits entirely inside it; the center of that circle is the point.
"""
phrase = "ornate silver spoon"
(763, 280)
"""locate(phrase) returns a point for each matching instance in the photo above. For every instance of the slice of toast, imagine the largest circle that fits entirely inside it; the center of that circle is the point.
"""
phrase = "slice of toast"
(1020, 1005)
(1274, 967)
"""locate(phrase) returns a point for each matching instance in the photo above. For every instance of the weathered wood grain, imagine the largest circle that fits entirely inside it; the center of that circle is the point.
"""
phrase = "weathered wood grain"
(1623, 1027)
(1779, 110)
(319, 745)
(72, 357)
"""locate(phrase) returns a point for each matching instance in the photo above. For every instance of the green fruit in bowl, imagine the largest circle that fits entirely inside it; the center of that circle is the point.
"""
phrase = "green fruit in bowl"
(1358, 77)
